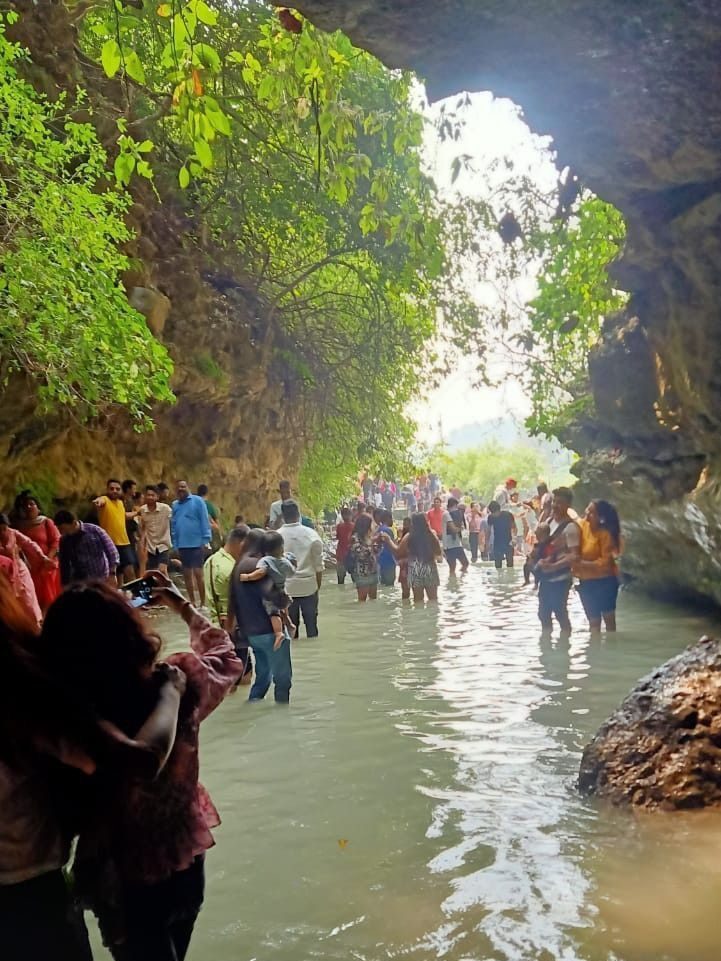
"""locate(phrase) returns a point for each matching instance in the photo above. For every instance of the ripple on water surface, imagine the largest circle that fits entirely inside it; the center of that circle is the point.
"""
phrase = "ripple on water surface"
(417, 799)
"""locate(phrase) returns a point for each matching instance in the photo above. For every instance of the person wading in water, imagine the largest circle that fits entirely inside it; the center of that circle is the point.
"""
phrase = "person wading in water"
(420, 549)
(555, 583)
(596, 566)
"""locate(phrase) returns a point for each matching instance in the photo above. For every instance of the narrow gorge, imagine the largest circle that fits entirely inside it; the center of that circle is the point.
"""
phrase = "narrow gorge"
(632, 99)
(631, 95)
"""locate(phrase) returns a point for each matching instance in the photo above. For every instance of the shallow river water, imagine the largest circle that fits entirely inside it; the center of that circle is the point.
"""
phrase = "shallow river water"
(417, 800)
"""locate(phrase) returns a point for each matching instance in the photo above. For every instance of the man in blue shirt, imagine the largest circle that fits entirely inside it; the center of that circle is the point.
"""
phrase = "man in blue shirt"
(386, 560)
(190, 532)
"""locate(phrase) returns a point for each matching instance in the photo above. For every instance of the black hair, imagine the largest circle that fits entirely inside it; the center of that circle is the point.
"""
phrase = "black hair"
(127, 484)
(272, 541)
(290, 511)
(609, 520)
(113, 480)
(493, 507)
(238, 533)
(162, 486)
(4, 519)
(345, 512)
(151, 487)
(202, 490)
(362, 525)
(452, 502)
(565, 493)
(421, 540)
(64, 517)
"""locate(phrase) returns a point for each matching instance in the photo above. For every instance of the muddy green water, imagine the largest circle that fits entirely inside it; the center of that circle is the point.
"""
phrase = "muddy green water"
(417, 799)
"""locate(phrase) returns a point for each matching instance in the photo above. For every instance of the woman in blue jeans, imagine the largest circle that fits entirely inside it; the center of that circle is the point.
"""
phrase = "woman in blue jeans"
(246, 607)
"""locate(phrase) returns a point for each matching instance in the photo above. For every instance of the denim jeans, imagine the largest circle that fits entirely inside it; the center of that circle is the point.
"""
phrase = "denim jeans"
(553, 599)
(271, 665)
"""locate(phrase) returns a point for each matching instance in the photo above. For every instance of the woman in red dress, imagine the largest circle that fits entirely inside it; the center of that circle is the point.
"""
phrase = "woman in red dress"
(39, 528)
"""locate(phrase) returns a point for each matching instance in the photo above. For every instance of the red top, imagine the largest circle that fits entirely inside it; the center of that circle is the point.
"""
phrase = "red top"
(343, 532)
(435, 520)
(156, 828)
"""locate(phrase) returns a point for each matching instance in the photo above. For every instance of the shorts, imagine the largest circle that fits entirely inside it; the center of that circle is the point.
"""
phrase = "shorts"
(191, 558)
(366, 580)
(156, 558)
(598, 596)
(454, 554)
(127, 556)
(423, 574)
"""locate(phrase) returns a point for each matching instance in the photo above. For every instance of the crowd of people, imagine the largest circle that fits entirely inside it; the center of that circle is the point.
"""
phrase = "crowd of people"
(99, 733)
(555, 546)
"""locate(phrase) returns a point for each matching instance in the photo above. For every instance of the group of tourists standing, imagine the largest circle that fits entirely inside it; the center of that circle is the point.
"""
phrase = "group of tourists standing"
(554, 544)
(99, 736)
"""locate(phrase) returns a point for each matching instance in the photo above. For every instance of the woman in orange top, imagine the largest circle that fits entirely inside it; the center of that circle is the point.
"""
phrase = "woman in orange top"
(597, 564)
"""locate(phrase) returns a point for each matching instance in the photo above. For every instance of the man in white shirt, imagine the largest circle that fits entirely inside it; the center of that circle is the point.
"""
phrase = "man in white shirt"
(303, 587)
(275, 518)
(154, 519)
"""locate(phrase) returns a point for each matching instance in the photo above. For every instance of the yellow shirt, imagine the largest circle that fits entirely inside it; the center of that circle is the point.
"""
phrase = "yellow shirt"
(112, 520)
(598, 548)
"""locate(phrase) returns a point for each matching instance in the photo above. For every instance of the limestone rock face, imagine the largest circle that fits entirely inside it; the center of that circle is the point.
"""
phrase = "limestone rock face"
(153, 305)
(631, 95)
(662, 747)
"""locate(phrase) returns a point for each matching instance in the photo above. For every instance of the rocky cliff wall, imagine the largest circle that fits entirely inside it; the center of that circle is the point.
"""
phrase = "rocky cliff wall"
(631, 93)
(236, 423)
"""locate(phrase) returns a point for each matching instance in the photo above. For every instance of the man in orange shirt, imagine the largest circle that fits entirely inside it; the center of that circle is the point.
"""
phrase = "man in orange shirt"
(435, 517)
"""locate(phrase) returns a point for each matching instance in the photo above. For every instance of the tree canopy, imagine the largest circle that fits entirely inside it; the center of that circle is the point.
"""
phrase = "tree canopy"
(481, 469)
(300, 157)
(64, 318)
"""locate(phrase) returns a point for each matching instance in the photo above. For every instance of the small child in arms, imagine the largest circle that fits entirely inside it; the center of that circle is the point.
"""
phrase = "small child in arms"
(275, 566)
(543, 549)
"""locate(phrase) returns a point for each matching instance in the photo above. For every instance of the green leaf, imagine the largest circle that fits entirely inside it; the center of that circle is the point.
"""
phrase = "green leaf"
(164, 10)
(123, 168)
(146, 146)
(183, 177)
(204, 153)
(206, 56)
(134, 68)
(219, 121)
(110, 57)
(205, 14)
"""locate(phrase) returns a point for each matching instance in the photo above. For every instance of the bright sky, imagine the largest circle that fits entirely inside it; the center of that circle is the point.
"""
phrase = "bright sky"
(493, 130)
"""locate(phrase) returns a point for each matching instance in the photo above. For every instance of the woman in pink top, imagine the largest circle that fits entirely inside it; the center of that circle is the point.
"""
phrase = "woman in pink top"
(140, 859)
(14, 545)
(39, 528)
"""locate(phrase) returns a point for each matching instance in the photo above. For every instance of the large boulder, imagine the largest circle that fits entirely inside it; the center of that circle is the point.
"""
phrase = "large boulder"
(662, 747)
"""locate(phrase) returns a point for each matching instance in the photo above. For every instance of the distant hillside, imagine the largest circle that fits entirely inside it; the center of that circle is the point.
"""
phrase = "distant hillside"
(507, 432)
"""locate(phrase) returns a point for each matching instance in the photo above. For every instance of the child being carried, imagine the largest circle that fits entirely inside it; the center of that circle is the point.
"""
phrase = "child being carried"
(542, 550)
(275, 567)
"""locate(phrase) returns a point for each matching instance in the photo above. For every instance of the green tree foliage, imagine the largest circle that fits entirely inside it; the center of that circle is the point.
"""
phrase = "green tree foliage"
(303, 155)
(64, 318)
(564, 319)
(481, 469)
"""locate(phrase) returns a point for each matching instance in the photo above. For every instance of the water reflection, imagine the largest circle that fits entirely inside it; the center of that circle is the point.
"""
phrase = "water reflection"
(440, 745)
